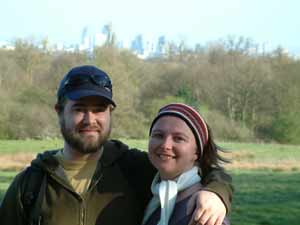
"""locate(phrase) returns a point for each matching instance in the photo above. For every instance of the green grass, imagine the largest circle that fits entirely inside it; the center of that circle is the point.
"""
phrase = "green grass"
(29, 146)
(35, 146)
(261, 197)
(5, 178)
(266, 198)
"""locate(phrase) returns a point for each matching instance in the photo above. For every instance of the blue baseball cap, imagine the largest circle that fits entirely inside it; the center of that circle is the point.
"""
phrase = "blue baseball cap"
(83, 81)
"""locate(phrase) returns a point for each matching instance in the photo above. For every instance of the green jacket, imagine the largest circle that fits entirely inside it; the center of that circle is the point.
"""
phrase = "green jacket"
(118, 193)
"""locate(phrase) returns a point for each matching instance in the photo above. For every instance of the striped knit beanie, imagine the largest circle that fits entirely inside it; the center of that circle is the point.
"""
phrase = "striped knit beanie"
(191, 117)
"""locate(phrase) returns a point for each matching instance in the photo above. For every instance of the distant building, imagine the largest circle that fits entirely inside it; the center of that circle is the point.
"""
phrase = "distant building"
(92, 37)
(6, 45)
(137, 45)
(161, 47)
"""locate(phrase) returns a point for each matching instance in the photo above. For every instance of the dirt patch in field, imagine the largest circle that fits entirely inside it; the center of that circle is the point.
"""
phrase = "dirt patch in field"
(240, 160)
(247, 160)
(15, 161)
(240, 155)
(284, 165)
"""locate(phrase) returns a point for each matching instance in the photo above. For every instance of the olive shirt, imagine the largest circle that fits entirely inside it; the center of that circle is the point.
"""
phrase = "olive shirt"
(78, 173)
(117, 194)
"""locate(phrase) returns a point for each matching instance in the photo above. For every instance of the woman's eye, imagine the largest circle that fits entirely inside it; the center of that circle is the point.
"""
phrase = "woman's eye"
(179, 139)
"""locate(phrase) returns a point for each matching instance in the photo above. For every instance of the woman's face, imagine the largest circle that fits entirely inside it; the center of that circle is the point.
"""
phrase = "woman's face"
(172, 147)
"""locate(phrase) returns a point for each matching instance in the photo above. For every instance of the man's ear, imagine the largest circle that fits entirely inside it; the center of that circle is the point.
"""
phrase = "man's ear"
(57, 108)
(112, 108)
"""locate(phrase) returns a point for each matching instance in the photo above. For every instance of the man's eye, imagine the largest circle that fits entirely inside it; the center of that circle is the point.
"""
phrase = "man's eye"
(156, 135)
(78, 109)
(100, 109)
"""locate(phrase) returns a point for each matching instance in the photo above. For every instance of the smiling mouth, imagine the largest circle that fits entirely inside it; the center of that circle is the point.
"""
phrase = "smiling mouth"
(88, 131)
(165, 157)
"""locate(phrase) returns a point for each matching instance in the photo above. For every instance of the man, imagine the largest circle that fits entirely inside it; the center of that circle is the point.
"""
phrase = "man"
(93, 180)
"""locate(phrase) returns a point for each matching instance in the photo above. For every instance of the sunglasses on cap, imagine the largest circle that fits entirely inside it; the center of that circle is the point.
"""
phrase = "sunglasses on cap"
(78, 80)
(99, 80)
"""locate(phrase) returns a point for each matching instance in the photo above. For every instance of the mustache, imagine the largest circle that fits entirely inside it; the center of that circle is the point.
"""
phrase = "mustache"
(88, 127)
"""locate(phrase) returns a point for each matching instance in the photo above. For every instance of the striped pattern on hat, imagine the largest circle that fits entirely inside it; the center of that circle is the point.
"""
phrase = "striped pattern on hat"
(193, 119)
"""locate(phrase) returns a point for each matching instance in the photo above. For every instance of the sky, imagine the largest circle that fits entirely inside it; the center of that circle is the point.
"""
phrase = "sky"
(268, 22)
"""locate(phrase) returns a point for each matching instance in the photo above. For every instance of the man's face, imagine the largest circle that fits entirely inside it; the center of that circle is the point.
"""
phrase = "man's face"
(86, 123)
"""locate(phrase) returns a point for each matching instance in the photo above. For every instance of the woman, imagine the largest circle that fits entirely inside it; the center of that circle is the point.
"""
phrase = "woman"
(181, 147)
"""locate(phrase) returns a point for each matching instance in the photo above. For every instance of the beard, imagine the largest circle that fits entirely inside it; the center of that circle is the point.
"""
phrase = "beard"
(78, 143)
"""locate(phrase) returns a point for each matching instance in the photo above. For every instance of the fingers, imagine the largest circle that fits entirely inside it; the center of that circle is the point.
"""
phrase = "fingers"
(192, 221)
(198, 214)
(207, 219)
(204, 219)
(210, 209)
(219, 221)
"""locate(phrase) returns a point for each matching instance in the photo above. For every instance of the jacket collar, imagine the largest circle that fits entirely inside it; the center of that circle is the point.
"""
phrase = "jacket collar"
(111, 152)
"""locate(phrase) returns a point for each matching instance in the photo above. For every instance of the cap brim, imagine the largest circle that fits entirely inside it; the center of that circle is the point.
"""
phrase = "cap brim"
(78, 94)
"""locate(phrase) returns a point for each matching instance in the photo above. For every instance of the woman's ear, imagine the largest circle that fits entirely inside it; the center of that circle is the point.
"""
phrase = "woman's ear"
(197, 155)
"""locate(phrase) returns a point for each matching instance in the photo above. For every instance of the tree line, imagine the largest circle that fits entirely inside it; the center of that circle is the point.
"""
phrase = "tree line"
(245, 93)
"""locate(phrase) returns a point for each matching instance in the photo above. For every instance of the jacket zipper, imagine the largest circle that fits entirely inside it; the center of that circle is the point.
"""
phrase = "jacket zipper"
(82, 212)
(82, 201)
(82, 209)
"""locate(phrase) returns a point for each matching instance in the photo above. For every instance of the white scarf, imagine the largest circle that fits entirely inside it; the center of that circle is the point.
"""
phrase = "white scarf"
(165, 193)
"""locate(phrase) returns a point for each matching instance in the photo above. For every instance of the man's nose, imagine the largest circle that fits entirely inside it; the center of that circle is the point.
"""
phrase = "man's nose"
(89, 117)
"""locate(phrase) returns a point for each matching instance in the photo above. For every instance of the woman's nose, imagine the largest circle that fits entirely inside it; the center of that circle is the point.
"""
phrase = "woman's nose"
(167, 143)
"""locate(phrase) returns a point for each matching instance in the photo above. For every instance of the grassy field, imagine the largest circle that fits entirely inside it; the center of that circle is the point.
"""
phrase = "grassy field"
(266, 177)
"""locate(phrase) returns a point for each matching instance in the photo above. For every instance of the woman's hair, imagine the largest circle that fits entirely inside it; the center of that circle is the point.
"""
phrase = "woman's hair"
(211, 158)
